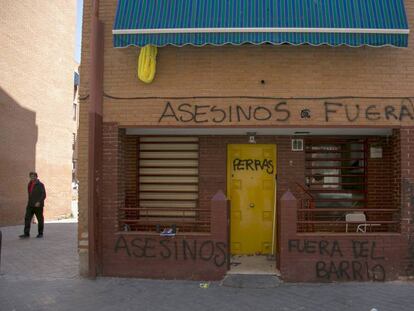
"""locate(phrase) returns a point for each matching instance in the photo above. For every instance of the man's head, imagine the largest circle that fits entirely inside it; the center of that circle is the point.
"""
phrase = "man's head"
(33, 175)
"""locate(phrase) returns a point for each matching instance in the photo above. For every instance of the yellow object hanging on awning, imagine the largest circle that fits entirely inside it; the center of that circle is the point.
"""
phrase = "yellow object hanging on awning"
(147, 63)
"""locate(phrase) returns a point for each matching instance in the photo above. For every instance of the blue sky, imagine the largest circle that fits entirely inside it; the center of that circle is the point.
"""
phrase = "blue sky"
(79, 11)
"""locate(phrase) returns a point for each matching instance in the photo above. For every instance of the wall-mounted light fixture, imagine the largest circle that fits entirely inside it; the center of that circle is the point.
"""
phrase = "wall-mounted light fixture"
(252, 137)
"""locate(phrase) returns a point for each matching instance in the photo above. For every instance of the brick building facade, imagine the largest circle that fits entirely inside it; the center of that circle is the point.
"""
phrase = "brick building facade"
(36, 94)
(351, 107)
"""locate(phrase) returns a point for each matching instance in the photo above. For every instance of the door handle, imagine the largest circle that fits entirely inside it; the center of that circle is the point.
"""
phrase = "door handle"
(251, 205)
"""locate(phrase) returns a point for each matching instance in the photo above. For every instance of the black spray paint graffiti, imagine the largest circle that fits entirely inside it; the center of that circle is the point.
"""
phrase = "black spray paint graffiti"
(233, 113)
(253, 165)
(354, 112)
(360, 268)
(194, 250)
(408, 192)
(282, 112)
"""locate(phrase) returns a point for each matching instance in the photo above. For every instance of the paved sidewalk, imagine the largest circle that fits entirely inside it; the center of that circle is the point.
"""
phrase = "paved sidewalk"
(42, 275)
(53, 257)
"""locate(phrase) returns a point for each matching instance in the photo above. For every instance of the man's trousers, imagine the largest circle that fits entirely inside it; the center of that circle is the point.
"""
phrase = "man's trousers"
(30, 211)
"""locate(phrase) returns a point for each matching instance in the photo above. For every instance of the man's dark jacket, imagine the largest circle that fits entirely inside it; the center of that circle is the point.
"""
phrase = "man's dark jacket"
(38, 194)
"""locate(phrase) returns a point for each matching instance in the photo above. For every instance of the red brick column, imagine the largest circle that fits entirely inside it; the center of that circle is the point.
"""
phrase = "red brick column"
(220, 222)
(288, 212)
(112, 193)
(405, 149)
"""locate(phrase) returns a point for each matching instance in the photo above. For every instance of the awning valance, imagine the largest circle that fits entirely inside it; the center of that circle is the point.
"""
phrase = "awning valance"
(218, 22)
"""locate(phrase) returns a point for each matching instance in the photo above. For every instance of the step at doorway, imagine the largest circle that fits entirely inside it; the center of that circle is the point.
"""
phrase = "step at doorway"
(258, 264)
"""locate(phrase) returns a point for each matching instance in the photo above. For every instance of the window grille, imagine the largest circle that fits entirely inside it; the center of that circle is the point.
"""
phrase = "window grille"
(336, 186)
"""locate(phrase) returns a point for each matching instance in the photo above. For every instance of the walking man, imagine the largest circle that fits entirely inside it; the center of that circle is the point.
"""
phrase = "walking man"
(37, 195)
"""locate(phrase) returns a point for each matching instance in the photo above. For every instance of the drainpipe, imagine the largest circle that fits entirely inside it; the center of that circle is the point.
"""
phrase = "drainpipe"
(95, 138)
(1, 237)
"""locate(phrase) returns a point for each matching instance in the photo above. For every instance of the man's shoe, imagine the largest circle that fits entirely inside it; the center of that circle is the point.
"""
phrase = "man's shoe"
(39, 236)
(24, 236)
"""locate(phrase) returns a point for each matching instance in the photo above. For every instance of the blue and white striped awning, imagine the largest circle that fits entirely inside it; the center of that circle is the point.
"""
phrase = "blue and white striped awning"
(218, 22)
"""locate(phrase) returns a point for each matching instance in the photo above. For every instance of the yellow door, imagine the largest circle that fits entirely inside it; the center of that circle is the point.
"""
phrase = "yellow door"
(251, 171)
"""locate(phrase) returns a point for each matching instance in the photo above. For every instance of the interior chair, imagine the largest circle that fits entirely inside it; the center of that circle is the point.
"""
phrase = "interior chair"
(356, 218)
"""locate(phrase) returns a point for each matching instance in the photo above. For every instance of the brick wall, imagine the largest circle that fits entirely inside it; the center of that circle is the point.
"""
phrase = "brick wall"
(187, 256)
(131, 170)
(406, 145)
(380, 181)
(120, 249)
(131, 174)
(36, 96)
(337, 257)
(288, 71)
(380, 175)
(381, 253)
(370, 257)
(130, 254)
(396, 173)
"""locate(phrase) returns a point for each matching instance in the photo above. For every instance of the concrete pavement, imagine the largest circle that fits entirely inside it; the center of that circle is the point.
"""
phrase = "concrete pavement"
(42, 275)
(54, 257)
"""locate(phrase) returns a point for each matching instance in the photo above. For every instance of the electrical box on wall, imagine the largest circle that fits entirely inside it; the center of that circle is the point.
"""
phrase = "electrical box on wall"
(297, 144)
(376, 152)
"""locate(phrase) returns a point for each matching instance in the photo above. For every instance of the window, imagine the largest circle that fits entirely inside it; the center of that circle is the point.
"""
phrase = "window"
(336, 182)
(335, 173)
(336, 178)
(167, 186)
(73, 141)
(75, 111)
(74, 170)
